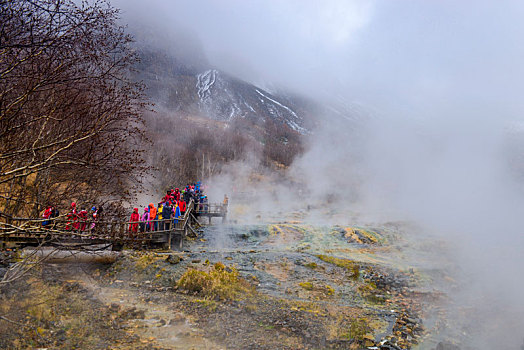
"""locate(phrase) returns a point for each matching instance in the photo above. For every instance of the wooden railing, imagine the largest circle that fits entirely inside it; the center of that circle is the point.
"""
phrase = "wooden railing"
(63, 226)
(67, 229)
(212, 208)
(84, 228)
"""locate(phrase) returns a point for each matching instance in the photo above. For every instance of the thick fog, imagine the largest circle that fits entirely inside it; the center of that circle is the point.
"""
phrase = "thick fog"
(443, 81)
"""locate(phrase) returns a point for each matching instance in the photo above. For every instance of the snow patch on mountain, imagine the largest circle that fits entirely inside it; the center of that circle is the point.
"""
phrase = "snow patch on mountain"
(204, 83)
(290, 122)
(281, 105)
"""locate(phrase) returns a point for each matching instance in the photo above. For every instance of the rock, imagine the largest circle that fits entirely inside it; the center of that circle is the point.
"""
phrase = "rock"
(196, 261)
(368, 343)
(369, 340)
(61, 335)
(173, 259)
(387, 345)
(177, 319)
(443, 345)
(410, 320)
(139, 314)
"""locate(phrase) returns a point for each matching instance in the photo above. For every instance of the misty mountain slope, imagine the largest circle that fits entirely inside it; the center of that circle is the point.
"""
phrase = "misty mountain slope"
(273, 126)
(225, 98)
(193, 87)
(216, 95)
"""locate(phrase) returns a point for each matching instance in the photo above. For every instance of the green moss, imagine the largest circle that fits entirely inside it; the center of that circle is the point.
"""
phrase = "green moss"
(305, 306)
(369, 292)
(326, 289)
(358, 329)
(209, 304)
(347, 264)
(329, 290)
(306, 285)
(311, 265)
(266, 326)
(372, 236)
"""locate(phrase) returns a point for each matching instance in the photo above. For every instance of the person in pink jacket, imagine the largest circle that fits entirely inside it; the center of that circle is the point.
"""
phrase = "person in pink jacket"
(144, 220)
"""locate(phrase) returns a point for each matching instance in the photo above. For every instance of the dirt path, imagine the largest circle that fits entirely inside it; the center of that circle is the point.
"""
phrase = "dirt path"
(157, 322)
(160, 322)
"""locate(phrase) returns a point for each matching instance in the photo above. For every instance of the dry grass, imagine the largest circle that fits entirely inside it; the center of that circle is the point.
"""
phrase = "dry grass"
(144, 260)
(220, 282)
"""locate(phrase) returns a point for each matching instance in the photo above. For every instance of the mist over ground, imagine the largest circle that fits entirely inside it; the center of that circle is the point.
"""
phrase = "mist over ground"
(443, 82)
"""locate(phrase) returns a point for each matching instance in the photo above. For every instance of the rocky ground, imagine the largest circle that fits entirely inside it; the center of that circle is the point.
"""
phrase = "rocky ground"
(278, 286)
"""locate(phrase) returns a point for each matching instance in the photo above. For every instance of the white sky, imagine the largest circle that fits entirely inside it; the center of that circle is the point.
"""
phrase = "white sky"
(446, 77)
(379, 52)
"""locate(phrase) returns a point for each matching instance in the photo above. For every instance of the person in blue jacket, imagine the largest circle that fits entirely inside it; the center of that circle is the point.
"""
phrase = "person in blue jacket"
(176, 210)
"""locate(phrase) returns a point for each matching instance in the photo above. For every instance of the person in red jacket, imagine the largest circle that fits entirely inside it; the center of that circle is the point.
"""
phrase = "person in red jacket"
(83, 219)
(46, 215)
(183, 207)
(135, 217)
(177, 194)
(72, 217)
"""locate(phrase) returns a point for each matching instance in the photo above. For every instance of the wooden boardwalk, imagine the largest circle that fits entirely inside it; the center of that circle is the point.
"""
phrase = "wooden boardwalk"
(116, 234)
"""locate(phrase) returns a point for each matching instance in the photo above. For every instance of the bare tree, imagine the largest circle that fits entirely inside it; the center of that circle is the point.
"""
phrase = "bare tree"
(70, 124)
(188, 148)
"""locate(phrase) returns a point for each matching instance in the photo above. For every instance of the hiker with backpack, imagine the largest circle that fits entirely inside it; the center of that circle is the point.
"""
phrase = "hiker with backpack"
(167, 211)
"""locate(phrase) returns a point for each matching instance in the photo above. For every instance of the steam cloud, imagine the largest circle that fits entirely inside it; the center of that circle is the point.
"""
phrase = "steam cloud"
(444, 81)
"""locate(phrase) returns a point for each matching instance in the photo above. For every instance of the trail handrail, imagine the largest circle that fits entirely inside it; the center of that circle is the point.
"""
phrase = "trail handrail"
(62, 225)
(210, 208)
(68, 228)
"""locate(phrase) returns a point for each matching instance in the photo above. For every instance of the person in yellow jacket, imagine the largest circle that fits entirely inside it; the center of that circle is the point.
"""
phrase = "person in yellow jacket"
(159, 223)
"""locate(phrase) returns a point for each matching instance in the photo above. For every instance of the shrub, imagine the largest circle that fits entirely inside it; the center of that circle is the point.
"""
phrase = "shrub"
(219, 283)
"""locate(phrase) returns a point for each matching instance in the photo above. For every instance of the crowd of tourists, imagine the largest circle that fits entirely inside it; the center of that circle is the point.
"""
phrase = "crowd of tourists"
(77, 220)
(169, 211)
(171, 208)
